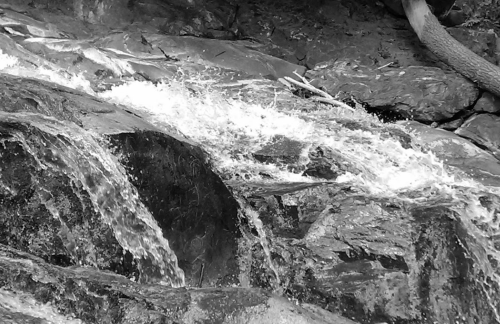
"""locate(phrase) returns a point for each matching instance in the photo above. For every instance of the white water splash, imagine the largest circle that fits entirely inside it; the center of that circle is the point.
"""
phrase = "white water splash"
(27, 305)
(230, 130)
(7, 61)
(10, 65)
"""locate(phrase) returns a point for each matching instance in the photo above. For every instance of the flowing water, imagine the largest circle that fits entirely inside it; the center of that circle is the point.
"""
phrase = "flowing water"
(24, 304)
(231, 130)
(83, 159)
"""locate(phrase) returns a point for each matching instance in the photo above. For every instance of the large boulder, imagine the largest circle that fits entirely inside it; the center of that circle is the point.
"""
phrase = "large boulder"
(372, 260)
(424, 94)
(79, 203)
(483, 130)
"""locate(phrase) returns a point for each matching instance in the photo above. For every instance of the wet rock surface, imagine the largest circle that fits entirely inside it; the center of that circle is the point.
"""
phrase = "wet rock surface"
(104, 206)
(417, 93)
(457, 152)
(482, 130)
(190, 203)
(110, 298)
(364, 257)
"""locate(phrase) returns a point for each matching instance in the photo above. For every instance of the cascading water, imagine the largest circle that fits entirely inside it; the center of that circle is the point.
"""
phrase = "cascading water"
(230, 130)
(68, 148)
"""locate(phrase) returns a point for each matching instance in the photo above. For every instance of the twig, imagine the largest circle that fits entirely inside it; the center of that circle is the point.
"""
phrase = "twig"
(333, 102)
(301, 77)
(202, 272)
(325, 97)
(309, 87)
(385, 65)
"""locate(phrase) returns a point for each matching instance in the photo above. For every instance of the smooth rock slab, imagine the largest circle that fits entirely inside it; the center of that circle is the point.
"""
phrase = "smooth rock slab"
(195, 210)
(424, 94)
(230, 55)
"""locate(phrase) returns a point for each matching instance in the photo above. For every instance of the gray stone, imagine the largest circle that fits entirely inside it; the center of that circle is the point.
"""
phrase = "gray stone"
(423, 94)
(483, 130)
(457, 152)
(487, 103)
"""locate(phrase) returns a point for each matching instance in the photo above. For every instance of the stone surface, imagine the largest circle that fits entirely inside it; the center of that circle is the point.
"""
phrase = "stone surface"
(190, 203)
(457, 152)
(102, 297)
(363, 257)
(228, 55)
(483, 130)
(487, 103)
(418, 93)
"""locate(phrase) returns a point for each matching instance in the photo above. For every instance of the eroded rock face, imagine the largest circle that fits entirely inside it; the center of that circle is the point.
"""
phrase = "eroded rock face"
(487, 103)
(193, 207)
(372, 260)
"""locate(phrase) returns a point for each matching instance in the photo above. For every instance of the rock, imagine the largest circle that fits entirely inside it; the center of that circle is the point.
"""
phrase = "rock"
(183, 197)
(229, 55)
(453, 124)
(483, 130)
(457, 152)
(455, 17)
(419, 93)
(157, 57)
(19, 95)
(102, 297)
(363, 257)
(71, 213)
(487, 103)
(282, 151)
(192, 206)
(19, 24)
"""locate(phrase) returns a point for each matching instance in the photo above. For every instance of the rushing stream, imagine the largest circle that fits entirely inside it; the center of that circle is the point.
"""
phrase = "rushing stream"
(230, 131)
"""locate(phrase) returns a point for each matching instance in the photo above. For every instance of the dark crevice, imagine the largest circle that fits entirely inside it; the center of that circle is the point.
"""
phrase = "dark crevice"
(385, 114)
(392, 263)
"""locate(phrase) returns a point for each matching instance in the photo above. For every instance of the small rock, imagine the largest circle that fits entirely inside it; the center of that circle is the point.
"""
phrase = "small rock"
(483, 130)
(487, 103)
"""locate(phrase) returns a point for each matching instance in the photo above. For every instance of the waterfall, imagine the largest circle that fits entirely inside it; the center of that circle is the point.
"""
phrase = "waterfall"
(79, 155)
